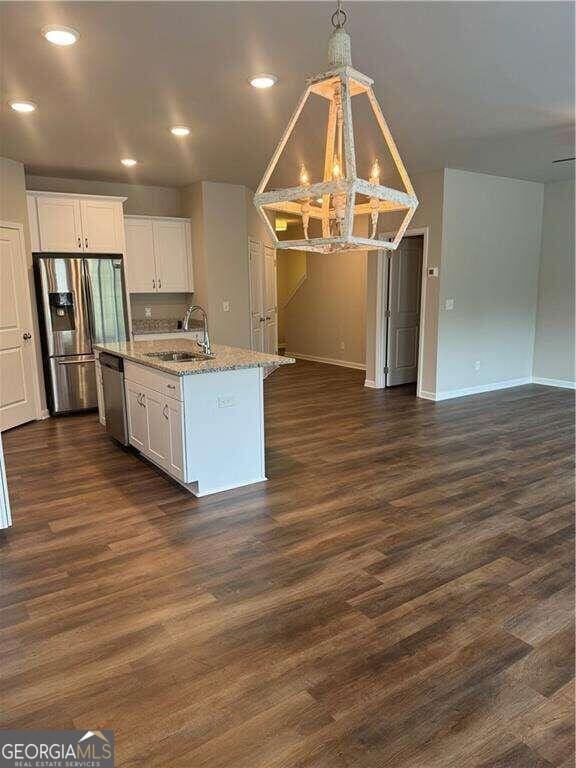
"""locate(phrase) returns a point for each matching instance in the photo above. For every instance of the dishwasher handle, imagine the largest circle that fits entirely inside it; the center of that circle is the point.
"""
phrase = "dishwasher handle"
(111, 361)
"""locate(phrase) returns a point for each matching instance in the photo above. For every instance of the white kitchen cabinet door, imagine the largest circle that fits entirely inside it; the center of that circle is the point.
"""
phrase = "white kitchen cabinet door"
(175, 458)
(137, 424)
(59, 223)
(102, 223)
(172, 249)
(158, 428)
(140, 262)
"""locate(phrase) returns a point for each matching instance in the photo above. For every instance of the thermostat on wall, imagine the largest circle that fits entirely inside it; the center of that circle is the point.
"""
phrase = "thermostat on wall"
(432, 271)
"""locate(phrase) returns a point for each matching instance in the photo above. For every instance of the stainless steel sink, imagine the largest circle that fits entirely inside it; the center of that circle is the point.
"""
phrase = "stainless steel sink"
(178, 356)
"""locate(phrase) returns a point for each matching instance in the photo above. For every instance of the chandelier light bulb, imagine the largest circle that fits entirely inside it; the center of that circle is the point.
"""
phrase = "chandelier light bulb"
(304, 177)
(375, 172)
(336, 169)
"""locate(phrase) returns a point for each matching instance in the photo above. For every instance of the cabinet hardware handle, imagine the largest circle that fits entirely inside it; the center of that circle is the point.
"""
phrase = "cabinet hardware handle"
(138, 398)
(159, 283)
(171, 386)
(26, 336)
(262, 319)
(165, 411)
(154, 284)
(86, 241)
(79, 242)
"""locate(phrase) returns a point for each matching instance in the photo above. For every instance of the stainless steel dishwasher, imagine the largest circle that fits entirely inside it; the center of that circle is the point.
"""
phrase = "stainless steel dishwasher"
(114, 396)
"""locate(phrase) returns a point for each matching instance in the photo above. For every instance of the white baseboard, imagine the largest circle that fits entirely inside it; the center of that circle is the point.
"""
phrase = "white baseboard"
(450, 394)
(44, 414)
(564, 384)
(327, 361)
(371, 384)
(425, 395)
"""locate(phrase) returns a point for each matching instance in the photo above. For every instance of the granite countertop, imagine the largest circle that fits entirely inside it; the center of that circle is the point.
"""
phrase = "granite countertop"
(225, 358)
(164, 326)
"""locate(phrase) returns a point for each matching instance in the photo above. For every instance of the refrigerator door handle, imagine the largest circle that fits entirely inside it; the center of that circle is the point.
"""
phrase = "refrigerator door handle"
(76, 362)
(89, 298)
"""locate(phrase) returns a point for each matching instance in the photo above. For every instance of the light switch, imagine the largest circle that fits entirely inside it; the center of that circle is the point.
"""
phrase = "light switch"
(229, 401)
(449, 304)
(226, 306)
(432, 271)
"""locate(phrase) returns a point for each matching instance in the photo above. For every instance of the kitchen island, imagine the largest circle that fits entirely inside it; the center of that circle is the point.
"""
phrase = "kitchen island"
(201, 420)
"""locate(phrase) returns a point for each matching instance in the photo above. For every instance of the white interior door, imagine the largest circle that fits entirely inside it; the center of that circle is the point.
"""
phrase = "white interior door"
(17, 363)
(102, 223)
(403, 326)
(59, 224)
(140, 264)
(270, 301)
(257, 316)
(171, 250)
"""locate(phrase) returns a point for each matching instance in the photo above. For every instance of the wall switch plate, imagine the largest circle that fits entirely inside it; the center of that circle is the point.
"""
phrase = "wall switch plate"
(227, 401)
(226, 306)
(147, 311)
(449, 304)
(476, 365)
(342, 346)
(432, 272)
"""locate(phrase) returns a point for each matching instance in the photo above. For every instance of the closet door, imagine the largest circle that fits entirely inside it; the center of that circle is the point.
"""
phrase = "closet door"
(270, 343)
(59, 224)
(257, 316)
(140, 262)
(171, 247)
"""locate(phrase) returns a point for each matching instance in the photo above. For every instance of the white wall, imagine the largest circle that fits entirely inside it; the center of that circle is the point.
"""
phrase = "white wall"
(142, 200)
(490, 255)
(554, 349)
(222, 220)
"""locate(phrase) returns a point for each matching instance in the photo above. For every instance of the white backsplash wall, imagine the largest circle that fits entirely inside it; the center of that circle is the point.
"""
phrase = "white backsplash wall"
(164, 306)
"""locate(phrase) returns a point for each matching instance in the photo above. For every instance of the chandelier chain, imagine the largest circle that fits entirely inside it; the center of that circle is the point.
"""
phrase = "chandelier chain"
(339, 17)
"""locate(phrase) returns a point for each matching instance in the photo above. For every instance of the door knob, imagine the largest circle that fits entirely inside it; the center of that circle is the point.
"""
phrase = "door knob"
(26, 336)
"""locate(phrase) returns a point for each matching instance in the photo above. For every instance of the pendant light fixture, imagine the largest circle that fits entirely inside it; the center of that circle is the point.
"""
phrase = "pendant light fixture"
(337, 205)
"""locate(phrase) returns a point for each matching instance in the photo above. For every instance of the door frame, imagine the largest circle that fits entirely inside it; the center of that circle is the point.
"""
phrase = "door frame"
(380, 344)
(33, 325)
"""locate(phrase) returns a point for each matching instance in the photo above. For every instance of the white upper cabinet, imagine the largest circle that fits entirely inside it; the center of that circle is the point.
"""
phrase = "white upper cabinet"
(102, 225)
(76, 224)
(140, 264)
(158, 255)
(171, 245)
(59, 224)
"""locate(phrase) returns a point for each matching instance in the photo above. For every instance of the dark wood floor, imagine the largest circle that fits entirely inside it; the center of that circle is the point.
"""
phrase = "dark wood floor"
(398, 594)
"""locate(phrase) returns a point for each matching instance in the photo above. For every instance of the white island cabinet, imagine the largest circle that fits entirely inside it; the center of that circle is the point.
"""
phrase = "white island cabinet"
(202, 422)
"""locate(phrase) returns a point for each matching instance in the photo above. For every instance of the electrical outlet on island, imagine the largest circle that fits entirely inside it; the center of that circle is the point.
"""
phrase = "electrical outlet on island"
(147, 311)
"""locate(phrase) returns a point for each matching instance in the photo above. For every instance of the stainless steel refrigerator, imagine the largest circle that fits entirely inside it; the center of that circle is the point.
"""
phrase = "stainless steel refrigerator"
(81, 301)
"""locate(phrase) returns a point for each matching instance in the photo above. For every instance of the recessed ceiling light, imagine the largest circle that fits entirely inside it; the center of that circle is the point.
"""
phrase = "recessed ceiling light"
(19, 105)
(263, 81)
(129, 161)
(60, 35)
(180, 130)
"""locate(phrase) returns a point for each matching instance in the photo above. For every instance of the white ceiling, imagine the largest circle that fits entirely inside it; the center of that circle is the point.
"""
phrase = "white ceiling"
(477, 85)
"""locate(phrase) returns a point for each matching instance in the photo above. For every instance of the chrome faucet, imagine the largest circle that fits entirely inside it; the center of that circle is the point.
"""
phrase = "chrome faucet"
(205, 345)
